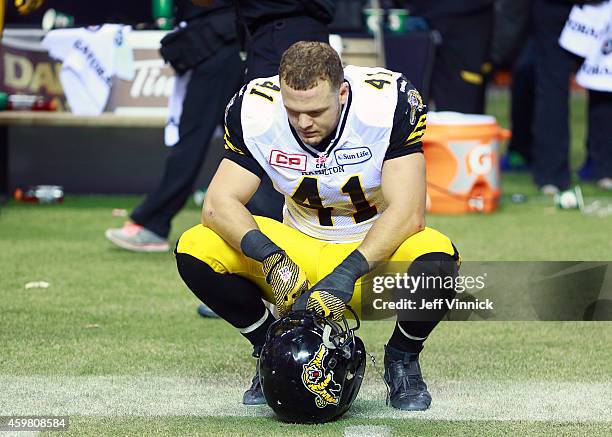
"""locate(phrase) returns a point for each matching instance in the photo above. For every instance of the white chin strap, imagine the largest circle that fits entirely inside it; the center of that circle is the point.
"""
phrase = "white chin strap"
(326, 341)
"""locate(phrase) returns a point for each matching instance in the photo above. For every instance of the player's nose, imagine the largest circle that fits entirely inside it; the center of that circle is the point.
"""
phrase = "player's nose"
(304, 121)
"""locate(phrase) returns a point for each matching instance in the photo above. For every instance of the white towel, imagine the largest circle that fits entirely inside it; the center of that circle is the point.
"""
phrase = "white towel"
(90, 57)
(175, 108)
(588, 33)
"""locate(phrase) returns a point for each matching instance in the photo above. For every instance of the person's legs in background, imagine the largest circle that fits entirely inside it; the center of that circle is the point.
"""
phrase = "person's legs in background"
(600, 137)
(518, 155)
(269, 42)
(210, 87)
(461, 65)
(553, 68)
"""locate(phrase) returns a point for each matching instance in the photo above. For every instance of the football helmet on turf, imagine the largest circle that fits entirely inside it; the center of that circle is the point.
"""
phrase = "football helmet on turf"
(311, 367)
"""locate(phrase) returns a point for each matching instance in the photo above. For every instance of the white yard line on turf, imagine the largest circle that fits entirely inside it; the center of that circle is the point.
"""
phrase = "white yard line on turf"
(18, 433)
(367, 431)
(167, 396)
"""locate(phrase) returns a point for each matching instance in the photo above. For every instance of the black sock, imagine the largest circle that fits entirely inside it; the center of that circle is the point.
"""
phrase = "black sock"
(234, 298)
(410, 336)
(256, 333)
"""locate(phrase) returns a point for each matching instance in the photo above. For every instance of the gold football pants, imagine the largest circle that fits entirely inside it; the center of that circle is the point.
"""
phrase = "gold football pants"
(316, 257)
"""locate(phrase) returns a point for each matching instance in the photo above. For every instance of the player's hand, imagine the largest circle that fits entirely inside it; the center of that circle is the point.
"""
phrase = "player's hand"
(323, 303)
(287, 280)
(329, 296)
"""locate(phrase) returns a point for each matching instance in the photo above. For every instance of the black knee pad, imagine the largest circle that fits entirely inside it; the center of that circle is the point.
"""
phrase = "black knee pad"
(437, 265)
(433, 278)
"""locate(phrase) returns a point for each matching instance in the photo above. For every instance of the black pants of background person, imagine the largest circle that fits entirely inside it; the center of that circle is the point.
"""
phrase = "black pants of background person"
(269, 41)
(523, 95)
(599, 137)
(211, 86)
(459, 73)
(553, 69)
(266, 47)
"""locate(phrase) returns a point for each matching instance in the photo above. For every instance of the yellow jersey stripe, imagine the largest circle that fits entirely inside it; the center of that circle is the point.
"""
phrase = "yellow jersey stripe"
(422, 121)
(229, 146)
(416, 134)
(416, 140)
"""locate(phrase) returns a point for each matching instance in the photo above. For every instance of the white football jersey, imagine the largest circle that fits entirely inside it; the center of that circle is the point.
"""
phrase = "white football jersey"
(333, 194)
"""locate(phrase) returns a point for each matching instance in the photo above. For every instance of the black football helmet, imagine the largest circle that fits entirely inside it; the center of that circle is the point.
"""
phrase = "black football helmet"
(311, 367)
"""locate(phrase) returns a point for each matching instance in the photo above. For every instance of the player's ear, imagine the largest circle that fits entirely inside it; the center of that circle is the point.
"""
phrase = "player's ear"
(344, 92)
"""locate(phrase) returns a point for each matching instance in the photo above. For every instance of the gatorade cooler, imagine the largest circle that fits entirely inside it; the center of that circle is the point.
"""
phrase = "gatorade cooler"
(461, 153)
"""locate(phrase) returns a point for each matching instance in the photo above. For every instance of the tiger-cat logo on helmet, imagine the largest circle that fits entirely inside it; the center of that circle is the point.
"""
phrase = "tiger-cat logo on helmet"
(320, 382)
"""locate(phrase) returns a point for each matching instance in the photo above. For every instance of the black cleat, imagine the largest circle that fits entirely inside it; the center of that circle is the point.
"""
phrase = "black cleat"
(254, 395)
(403, 375)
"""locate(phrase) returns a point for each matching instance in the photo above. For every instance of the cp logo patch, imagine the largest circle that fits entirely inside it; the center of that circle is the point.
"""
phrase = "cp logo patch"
(294, 161)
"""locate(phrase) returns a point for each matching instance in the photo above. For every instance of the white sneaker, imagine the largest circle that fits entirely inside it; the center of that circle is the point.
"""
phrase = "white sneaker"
(136, 238)
(605, 183)
(549, 189)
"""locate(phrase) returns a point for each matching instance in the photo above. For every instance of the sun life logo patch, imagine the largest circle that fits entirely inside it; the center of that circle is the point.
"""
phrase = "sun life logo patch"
(606, 47)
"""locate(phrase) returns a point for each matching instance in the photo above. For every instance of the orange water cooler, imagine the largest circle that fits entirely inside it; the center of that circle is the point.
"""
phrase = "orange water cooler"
(461, 153)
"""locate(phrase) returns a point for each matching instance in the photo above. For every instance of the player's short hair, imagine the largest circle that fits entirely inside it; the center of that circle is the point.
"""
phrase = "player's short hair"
(306, 62)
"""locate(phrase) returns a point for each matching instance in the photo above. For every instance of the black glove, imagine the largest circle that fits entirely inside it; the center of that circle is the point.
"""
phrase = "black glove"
(287, 280)
(329, 296)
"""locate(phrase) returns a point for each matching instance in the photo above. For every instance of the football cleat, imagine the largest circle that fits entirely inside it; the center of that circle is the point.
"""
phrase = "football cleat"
(605, 183)
(549, 190)
(311, 367)
(254, 395)
(407, 390)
